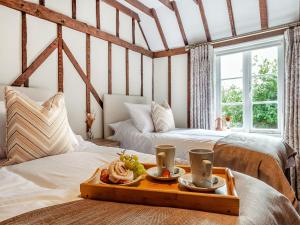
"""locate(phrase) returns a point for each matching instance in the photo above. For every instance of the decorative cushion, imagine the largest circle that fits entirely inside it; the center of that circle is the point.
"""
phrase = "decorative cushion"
(141, 116)
(162, 117)
(35, 131)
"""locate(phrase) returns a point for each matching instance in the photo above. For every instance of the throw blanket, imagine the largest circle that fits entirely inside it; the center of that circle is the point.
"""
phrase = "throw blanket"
(260, 204)
(259, 156)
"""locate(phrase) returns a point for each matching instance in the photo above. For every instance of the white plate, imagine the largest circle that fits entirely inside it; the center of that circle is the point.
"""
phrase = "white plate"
(186, 181)
(152, 172)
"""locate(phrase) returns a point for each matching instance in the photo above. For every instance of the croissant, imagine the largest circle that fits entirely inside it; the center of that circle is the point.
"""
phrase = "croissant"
(118, 172)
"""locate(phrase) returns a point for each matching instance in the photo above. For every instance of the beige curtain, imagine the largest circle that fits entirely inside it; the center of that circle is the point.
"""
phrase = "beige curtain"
(201, 87)
(292, 93)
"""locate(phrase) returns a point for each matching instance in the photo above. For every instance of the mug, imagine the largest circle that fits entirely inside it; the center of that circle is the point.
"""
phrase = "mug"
(165, 158)
(201, 161)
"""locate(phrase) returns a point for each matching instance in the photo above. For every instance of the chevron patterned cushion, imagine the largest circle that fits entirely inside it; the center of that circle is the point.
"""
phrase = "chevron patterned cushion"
(162, 117)
(35, 131)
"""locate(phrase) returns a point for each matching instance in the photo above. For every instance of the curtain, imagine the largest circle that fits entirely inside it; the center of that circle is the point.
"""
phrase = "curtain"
(292, 94)
(201, 87)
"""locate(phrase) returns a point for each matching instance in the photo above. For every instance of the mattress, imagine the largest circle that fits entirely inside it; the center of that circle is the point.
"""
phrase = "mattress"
(55, 180)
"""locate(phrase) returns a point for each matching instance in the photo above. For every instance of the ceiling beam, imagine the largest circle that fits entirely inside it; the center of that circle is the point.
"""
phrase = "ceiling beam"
(231, 17)
(140, 6)
(167, 3)
(204, 20)
(179, 21)
(123, 9)
(161, 33)
(263, 14)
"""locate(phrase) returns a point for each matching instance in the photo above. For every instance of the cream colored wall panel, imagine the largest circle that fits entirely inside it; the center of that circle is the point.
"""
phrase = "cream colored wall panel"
(64, 7)
(76, 43)
(107, 18)
(118, 70)
(148, 78)
(134, 73)
(46, 75)
(40, 33)
(10, 45)
(161, 79)
(74, 90)
(125, 27)
(179, 89)
(86, 11)
(99, 71)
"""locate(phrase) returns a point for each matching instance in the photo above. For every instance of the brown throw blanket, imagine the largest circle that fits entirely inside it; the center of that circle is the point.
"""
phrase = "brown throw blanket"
(260, 205)
(262, 157)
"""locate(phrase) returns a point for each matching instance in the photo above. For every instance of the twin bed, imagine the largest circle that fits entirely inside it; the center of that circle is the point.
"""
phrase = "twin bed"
(46, 190)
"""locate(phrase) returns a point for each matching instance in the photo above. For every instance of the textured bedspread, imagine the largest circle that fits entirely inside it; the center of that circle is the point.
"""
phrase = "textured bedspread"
(260, 205)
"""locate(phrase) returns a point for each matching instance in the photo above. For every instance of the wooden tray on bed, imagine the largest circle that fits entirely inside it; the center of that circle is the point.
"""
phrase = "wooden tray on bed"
(169, 194)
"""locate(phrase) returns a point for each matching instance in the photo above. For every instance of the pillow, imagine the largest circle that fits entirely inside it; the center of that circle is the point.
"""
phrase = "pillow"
(141, 116)
(162, 117)
(35, 131)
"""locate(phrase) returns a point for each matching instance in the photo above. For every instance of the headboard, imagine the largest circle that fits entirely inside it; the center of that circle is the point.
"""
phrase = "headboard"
(36, 94)
(114, 109)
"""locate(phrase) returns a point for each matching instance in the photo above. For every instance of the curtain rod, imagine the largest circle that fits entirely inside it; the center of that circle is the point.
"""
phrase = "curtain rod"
(242, 36)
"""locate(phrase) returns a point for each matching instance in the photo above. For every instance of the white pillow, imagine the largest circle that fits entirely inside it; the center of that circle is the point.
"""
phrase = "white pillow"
(141, 116)
(162, 117)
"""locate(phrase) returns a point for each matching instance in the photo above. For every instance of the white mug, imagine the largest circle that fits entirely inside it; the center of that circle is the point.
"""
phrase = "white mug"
(165, 158)
(201, 161)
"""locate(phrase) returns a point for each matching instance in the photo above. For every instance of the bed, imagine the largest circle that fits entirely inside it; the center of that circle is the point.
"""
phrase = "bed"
(264, 157)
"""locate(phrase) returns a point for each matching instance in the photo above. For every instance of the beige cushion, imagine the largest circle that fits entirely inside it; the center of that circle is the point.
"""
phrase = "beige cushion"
(35, 131)
(162, 117)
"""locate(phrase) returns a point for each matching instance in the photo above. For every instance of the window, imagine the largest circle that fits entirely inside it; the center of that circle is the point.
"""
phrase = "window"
(249, 86)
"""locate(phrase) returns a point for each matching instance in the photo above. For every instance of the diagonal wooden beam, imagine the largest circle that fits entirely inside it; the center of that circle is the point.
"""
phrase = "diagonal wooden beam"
(204, 20)
(263, 14)
(81, 73)
(179, 21)
(144, 36)
(137, 4)
(231, 17)
(167, 3)
(161, 33)
(36, 63)
(123, 9)
(59, 18)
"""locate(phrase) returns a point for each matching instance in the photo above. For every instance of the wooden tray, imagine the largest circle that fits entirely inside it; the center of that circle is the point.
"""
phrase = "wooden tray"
(169, 194)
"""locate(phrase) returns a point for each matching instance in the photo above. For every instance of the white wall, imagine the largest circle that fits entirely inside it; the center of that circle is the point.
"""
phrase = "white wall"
(41, 33)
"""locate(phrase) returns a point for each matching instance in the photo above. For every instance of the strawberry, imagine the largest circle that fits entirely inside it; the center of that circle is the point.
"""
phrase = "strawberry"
(166, 173)
(104, 177)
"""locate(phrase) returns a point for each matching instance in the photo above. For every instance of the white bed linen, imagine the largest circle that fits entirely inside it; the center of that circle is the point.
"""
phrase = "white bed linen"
(51, 180)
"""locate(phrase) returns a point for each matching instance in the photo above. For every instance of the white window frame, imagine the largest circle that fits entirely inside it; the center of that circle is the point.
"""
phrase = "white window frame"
(246, 49)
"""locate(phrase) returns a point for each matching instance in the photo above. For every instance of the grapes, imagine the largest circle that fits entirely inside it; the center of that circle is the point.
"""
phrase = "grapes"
(132, 163)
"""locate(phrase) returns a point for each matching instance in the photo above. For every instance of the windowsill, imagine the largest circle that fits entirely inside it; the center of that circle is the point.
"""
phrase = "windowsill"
(273, 133)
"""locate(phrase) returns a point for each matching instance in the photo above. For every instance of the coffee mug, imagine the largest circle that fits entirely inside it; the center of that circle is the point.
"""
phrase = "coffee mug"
(165, 158)
(201, 161)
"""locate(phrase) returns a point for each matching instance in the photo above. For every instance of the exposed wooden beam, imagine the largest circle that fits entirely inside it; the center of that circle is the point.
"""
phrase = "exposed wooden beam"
(98, 24)
(263, 14)
(170, 80)
(189, 90)
(36, 63)
(204, 20)
(117, 23)
(42, 2)
(60, 68)
(140, 6)
(109, 69)
(167, 3)
(24, 46)
(55, 17)
(179, 21)
(123, 9)
(171, 52)
(127, 71)
(144, 36)
(133, 30)
(142, 75)
(74, 9)
(161, 33)
(81, 73)
(231, 17)
(88, 73)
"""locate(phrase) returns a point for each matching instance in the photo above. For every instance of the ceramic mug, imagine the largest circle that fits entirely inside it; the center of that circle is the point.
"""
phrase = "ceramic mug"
(201, 161)
(165, 158)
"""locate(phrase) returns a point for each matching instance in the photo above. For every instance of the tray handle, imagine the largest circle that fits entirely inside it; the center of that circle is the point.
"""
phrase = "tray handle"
(231, 183)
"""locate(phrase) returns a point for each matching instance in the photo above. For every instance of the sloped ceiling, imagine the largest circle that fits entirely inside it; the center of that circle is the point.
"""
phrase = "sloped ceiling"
(246, 16)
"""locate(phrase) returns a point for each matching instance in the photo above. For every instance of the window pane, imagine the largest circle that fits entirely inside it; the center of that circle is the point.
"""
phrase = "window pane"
(236, 114)
(231, 66)
(264, 74)
(265, 116)
(232, 90)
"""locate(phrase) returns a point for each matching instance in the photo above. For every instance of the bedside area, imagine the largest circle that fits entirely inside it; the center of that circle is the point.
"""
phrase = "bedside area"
(106, 142)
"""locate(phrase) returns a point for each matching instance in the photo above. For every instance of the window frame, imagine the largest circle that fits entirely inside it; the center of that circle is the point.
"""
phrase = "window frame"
(247, 103)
